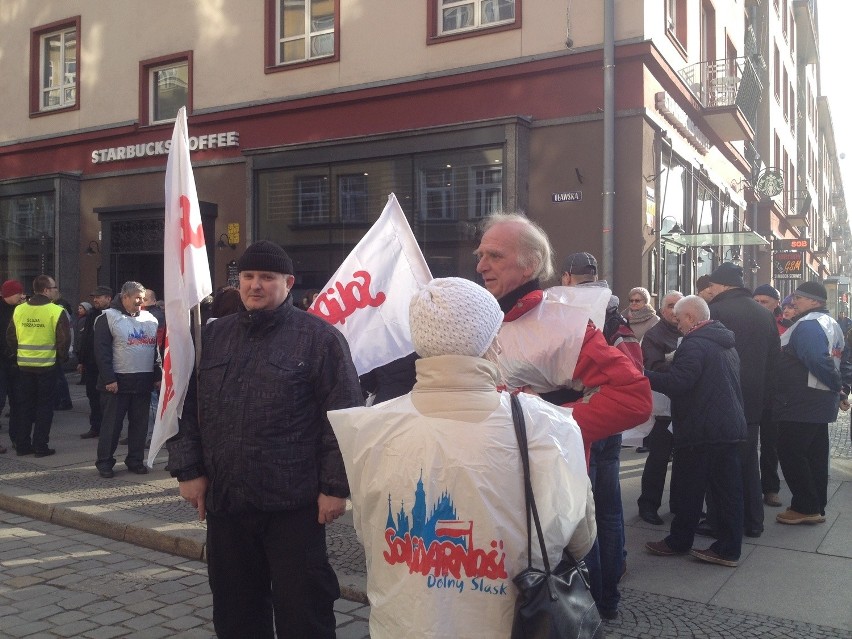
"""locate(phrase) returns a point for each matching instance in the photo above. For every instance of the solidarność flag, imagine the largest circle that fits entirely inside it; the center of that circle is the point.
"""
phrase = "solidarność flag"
(187, 282)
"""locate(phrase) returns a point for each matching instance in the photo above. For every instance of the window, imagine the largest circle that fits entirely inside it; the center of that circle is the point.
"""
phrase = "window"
(487, 188)
(165, 86)
(352, 195)
(301, 31)
(462, 18)
(54, 78)
(676, 23)
(321, 211)
(312, 199)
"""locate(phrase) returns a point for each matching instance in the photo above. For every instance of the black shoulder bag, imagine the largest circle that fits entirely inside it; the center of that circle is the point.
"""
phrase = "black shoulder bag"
(551, 604)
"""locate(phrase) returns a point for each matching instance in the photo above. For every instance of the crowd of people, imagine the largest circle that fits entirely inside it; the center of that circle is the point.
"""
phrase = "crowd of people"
(275, 436)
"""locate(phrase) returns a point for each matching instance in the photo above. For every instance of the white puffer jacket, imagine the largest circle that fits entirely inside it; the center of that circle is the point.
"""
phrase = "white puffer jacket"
(437, 491)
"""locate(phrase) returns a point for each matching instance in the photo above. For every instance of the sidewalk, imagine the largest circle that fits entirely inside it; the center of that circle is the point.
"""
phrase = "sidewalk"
(792, 581)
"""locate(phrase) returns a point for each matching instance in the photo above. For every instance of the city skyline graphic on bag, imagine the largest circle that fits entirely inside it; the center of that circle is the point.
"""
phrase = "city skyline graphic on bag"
(441, 546)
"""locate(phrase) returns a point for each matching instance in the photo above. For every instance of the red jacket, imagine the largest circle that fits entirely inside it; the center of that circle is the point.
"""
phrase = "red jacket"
(616, 395)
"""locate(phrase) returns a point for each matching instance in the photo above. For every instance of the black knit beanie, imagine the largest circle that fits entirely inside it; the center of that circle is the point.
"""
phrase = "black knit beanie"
(768, 290)
(265, 256)
(813, 291)
(728, 274)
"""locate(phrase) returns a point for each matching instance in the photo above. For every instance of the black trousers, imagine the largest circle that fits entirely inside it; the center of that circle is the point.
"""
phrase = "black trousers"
(803, 453)
(116, 406)
(769, 481)
(265, 562)
(95, 400)
(694, 468)
(38, 391)
(751, 488)
(659, 443)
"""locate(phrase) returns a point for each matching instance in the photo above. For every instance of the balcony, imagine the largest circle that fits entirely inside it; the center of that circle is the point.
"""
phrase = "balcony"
(806, 37)
(729, 92)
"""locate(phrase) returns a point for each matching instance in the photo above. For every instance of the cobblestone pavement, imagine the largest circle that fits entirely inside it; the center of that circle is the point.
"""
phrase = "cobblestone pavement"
(61, 582)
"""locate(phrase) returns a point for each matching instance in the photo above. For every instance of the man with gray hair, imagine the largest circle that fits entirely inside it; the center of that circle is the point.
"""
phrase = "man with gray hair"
(606, 392)
(658, 347)
(708, 423)
(125, 343)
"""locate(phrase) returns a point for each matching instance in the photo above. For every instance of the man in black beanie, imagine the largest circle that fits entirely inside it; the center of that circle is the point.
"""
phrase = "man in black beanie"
(758, 347)
(807, 398)
(256, 455)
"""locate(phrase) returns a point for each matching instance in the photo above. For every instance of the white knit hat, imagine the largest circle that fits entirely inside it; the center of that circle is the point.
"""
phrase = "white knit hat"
(453, 316)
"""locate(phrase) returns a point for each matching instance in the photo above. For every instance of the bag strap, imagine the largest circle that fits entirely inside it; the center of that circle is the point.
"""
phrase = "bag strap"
(521, 434)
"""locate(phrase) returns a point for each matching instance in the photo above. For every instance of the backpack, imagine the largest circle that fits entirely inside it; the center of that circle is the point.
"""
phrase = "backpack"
(618, 334)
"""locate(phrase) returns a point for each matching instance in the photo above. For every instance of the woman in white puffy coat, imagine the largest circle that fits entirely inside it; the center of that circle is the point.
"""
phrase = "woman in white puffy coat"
(437, 483)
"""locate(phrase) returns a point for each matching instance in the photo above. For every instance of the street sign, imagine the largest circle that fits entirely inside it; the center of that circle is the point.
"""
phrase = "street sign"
(569, 196)
(788, 265)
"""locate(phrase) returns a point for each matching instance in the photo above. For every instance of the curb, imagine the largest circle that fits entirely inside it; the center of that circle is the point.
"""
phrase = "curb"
(139, 536)
(136, 535)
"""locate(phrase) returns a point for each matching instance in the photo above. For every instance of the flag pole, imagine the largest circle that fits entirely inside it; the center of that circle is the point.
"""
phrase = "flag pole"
(196, 330)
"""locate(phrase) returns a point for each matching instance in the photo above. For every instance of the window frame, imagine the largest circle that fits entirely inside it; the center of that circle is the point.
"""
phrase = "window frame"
(146, 68)
(37, 35)
(435, 36)
(271, 41)
(676, 25)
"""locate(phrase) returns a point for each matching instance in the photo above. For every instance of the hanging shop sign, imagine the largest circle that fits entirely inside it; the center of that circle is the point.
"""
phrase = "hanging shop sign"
(799, 244)
(788, 265)
(223, 140)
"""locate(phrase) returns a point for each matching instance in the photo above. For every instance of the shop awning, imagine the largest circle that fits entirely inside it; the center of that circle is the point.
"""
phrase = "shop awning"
(729, 238)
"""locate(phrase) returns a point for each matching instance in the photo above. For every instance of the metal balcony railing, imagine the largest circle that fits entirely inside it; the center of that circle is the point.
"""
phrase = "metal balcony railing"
(725, 83)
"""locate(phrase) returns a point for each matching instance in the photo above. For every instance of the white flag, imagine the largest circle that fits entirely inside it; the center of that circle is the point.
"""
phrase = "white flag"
(187, 282)
(367, 298)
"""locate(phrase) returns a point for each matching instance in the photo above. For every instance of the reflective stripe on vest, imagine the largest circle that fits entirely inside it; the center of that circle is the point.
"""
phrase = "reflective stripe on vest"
(35, 327)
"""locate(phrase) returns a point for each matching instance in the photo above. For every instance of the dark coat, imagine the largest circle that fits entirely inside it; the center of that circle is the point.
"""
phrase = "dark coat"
(660, 340)
(807, 352)
(758, 346)
(704, 385)
(255, 424)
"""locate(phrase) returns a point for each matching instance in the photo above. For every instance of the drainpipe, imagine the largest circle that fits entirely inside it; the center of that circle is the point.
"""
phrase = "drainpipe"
(609, 138)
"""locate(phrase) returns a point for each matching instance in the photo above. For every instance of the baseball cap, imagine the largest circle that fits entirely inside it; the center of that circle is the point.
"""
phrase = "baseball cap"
(580, 264)
(101, 290)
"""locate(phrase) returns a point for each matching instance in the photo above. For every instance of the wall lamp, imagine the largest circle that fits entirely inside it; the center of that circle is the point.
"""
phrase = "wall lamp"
(735, 256)
(753, 266)
(225, 241)
(677, 229)
(93, 248)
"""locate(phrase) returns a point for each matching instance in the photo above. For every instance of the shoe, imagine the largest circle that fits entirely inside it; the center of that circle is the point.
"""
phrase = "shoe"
(771, 499)
(642, 449)
(662, 549)
(106, 474)
(712, 557)
(609, 615)
(141, 469)
(790, 516)
(122, 441)
(24, 451)
(650, 515)
(90, 434)
(754, 534)
(705, 530)
(45, 452)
